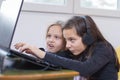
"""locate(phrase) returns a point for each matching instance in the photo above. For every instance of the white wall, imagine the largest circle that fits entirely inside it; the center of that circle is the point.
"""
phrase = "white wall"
(32, 26)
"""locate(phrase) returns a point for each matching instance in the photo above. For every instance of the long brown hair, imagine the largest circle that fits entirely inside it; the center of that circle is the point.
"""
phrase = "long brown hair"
(79, 23)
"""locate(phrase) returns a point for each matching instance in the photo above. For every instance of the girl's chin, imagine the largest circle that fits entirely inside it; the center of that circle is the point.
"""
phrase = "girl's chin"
(75, 53)
(51, 51)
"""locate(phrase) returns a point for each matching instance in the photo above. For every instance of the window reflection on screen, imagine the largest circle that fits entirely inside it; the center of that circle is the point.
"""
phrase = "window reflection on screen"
(7, 8)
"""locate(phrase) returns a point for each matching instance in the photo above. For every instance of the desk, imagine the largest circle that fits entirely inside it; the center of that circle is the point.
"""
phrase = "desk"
(38, 75)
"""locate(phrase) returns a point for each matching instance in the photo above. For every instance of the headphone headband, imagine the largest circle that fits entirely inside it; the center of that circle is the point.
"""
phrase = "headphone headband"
(88, 39)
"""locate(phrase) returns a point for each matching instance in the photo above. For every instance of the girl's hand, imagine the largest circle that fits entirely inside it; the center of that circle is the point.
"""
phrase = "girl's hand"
(23, 47)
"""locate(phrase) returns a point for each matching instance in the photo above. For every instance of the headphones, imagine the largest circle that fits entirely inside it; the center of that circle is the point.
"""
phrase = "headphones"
(88, 38)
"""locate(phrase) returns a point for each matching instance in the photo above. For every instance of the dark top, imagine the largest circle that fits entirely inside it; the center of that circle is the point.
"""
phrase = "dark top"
(100, 66)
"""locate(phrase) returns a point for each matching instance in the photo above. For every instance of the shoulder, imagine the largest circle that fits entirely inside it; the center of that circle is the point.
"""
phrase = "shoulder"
(104, 46)
(104, 49)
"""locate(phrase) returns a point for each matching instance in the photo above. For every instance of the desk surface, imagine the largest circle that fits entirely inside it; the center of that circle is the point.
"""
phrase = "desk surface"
(37, 74)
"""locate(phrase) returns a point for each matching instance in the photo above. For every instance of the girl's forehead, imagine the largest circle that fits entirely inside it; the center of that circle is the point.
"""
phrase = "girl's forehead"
(55, 27)
(57, 30)
(69, 32)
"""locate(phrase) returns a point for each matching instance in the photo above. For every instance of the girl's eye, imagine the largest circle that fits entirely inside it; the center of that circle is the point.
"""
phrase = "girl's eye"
(72, 40)
(48, 36)
(56, 37)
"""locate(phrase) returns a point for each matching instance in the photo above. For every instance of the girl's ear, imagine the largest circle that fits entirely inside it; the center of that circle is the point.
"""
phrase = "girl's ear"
(88, 38)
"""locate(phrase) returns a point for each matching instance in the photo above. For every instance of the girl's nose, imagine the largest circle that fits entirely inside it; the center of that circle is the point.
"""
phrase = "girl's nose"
(67, 45)
(51, 39)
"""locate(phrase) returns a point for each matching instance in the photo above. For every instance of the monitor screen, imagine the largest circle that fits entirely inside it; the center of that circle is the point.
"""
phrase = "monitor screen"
(0, 2)
(9, 13)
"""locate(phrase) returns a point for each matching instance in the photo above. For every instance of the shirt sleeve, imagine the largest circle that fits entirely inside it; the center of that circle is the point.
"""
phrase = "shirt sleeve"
(100, 57)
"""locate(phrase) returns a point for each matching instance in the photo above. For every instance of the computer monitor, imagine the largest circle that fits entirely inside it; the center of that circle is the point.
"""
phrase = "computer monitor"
(9, 14)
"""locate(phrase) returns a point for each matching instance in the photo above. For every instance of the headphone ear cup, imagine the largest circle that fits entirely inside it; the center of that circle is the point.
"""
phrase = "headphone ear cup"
(88, 38)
